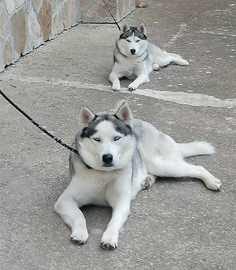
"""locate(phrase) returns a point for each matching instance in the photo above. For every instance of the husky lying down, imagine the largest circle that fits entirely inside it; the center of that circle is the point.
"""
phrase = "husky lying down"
(118, 157)
(135, 58)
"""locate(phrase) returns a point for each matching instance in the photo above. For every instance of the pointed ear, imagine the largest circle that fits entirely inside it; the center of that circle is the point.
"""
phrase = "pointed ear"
(141, 28)
(124, 28)
(124, 113)
(86, 116)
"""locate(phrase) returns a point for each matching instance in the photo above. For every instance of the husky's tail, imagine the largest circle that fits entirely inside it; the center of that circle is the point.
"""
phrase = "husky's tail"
(196, 148)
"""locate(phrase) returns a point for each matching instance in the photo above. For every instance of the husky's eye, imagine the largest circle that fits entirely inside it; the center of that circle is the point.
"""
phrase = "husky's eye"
(128, 40)
(96, 139)
(117, 138)
(137, 40)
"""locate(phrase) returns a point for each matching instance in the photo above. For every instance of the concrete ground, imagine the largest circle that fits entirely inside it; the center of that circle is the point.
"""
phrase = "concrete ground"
(176, 225)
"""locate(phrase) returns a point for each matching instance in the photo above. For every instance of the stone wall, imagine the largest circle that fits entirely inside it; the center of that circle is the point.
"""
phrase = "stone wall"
(96, 11)
(26, 24)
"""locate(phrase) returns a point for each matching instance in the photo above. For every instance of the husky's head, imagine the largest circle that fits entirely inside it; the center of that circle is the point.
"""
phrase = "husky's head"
(106, 141)
(132, 41)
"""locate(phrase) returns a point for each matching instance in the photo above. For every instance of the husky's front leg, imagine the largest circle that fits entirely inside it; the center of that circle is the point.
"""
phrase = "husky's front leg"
(120, 213)
(114, 79)
(68, 210)
(143, 78)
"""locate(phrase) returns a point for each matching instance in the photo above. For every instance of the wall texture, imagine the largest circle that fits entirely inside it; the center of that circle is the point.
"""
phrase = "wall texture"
(95, 11)
(26, 24)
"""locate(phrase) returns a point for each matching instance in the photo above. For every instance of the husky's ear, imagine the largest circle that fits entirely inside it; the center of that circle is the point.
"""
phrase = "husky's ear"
(124, 113)
(124, 28)
(86, 116)
(141, 28)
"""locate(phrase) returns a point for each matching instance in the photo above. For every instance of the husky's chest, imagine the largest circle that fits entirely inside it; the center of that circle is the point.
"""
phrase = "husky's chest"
(132, 66)
(92, 187)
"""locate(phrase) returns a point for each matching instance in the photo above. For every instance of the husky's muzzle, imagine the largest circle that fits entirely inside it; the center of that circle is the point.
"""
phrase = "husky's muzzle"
(107, 160)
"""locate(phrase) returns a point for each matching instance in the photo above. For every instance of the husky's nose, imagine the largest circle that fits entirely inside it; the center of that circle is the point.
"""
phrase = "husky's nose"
(107, 159)
(133, 51)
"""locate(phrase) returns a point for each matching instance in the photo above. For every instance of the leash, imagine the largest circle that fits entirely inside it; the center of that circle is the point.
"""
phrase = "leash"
(112, 15)
(38, 126)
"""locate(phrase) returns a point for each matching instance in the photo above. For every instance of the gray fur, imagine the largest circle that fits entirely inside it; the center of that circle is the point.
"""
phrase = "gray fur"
(135, 58)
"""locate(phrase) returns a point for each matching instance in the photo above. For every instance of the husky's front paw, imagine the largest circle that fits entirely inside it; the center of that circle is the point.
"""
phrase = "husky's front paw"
(133, 86)
(213, 183)
(116, 86)
(79, 236)
(109, 241)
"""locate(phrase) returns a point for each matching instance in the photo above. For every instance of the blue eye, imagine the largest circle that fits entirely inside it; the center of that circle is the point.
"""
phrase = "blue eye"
(128, 40)
(117, 138)
(138, 40)
(96, 139)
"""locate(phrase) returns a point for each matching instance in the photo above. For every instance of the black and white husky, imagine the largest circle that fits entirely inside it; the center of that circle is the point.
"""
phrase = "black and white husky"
(135, 58)
(118, 157)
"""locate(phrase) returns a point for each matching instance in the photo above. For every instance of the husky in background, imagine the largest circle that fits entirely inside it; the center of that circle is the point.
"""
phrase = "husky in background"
(135, 58)
(118, 157)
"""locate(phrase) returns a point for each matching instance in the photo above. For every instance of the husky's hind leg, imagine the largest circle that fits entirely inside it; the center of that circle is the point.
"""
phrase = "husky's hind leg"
(148, 181)
(161, 58)
(171, 58)
(155, 67)
(179, 168)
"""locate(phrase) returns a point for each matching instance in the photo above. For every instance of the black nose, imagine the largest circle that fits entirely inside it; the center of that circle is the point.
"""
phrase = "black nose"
(132, 51)
(107, 159)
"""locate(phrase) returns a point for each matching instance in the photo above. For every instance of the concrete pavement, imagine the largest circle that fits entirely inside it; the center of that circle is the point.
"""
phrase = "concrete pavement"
(177, 224)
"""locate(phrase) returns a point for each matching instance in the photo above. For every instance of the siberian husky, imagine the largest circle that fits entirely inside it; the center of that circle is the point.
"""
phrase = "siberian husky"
(118, 157)
(135, 58)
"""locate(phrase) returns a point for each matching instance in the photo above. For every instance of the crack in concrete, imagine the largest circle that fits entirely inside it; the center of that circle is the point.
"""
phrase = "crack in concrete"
(183, 98)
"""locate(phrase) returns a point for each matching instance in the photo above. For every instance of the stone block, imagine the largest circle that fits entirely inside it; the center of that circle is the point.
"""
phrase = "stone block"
(74, 11)
(34, 38)
(57, 26)
(19, 30)
(65, 16)
(19, 3)
(1, 55)
(54, 4)
(127, 6)
(4, 23)
(99, 12)
(86, 4)
(10, 6)
(36, 3)
(45, 19)
(120, 8)
(28, 5)
(7, 53)
(1, 63)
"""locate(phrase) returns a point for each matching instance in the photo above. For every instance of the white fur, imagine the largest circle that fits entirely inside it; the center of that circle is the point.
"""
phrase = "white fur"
(137, 161)
(138, 66)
